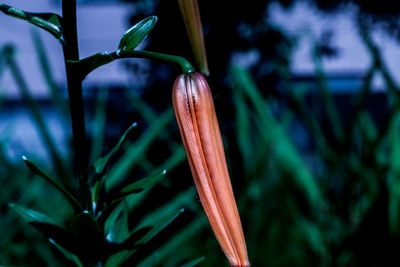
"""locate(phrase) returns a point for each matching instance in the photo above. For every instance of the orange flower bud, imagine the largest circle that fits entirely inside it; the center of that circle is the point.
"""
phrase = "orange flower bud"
(198, 125)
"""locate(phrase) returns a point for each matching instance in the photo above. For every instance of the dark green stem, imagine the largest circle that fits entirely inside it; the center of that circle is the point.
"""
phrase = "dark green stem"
(71, 52)
(185, 65)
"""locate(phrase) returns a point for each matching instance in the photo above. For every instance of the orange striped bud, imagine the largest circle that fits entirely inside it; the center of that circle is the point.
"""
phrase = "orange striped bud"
(198, 125)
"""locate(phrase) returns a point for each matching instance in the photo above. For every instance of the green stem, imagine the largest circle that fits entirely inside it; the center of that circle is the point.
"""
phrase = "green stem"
(71, 52)
(185, 64)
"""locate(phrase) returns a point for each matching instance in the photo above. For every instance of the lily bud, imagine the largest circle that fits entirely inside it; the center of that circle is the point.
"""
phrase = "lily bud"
(198, 125)
(191, 17)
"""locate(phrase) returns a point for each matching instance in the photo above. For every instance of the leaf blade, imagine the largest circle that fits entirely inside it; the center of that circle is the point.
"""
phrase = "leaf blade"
(48, 21)
(103, 162)
(158, 225)
(36, 170)
(30, 215)
(136, 34)
(193, 262)
(142, 184)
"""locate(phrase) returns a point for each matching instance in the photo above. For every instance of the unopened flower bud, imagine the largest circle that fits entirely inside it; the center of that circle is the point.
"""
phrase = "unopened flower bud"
(198, 125)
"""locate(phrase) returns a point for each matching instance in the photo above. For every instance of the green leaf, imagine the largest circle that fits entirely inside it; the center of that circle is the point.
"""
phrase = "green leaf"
(151, 261)
(88, 64)
(46, 225)
(157, 224)
(134, 237)
(393, 179)
(98, 193)
(243, 131)
(288, 158)
(118, 258)
(47, 71)
(100, 122)
(179, 242)
(58, 235)
(47, 21)
(30, 215)
(70, 256)
(135, 35)
(193, 262)
(103, 162)
(144, 183)
(135, 151)
(178, 156)
(118, 231)
(134, 188)
(107, 211)
(74, 203)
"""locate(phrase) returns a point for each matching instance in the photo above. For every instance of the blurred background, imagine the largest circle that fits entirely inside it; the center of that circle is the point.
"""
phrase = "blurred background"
(307, 96)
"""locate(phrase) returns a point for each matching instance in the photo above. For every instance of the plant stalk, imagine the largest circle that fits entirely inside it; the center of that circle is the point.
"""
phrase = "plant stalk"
(71, 52)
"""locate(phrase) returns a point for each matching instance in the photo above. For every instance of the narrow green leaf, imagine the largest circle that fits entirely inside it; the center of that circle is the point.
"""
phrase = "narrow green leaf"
(47, 21)
(103, 162)
(243, 131)
(130, 242)
(107, 211)
(136, 150)
(70, 256)
(157, 224)
(179, 241)
(144, 183)
(149, 116)
(97, 189)
(88, 64)
(135, 35)
(313, 235)
(368, 127)
(58, 235)
(118, 231)
(134, 188)
(134, 200)
(74, 203)
(118, 258)
(47, 226)
(6, 51)
(151, 261)
(100, 122)
(47, 71)
(193, 262)
(393, 178)
(30, 215)
(327, 97)
(287, 156)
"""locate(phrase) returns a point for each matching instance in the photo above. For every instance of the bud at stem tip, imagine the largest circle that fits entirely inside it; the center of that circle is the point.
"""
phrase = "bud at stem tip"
(198, 125)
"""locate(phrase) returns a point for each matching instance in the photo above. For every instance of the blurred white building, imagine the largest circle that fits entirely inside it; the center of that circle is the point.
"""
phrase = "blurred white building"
(307, 24)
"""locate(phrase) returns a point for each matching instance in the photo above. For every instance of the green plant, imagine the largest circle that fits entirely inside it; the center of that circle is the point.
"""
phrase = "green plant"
(96, 232)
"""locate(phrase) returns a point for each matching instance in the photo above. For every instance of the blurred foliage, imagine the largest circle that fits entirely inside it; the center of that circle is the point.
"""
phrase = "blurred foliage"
(328, 200)
(334, 202)
(122, 228)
